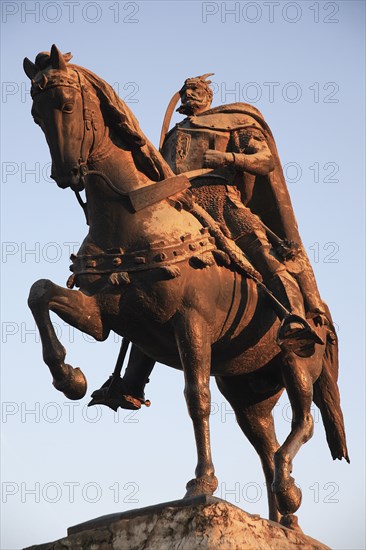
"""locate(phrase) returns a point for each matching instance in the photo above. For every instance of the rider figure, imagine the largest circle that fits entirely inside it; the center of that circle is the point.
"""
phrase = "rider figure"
(245, 177)
(232, 140)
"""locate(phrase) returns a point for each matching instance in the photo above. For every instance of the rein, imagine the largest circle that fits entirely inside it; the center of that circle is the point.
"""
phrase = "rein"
(85, 148)
(85, 173)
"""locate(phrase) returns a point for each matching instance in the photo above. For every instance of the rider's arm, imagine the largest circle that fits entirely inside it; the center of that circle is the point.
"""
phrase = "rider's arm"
(251, 153)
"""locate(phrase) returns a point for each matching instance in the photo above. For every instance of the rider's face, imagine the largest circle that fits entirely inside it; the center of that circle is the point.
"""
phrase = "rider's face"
(194, 100)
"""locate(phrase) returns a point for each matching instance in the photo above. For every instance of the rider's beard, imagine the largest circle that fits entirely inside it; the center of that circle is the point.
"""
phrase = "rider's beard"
(191, 106)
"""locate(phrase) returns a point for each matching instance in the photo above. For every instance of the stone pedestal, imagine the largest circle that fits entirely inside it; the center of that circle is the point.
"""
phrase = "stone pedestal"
(202, 523)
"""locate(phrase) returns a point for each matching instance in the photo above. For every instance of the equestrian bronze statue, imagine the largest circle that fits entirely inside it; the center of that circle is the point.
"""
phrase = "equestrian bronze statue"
(192, 255)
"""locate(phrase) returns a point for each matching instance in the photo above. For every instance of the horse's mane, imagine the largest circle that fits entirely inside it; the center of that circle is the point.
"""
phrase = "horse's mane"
(124, 124)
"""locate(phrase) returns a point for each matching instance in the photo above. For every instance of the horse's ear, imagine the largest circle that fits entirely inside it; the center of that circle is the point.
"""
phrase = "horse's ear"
(57, 59)
(30, 68)
(67, 56)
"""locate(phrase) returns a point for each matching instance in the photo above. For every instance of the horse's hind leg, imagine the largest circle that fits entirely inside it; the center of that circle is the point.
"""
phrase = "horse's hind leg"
(76, 309)
(298, 380)
(254, 415)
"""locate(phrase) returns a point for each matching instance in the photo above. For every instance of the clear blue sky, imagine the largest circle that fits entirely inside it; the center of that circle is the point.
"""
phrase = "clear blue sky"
(302, 64)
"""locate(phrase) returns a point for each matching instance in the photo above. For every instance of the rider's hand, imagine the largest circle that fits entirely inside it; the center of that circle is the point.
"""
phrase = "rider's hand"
(319, 318)
(216, 159)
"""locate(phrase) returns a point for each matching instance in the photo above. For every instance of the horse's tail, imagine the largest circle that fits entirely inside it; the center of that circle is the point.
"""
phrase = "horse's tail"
(327, 398)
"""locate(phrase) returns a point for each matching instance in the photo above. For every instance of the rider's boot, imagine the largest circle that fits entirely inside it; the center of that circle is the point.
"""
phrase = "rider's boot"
(282, 285)
(137, 373)
(127, 392)
(295, 333)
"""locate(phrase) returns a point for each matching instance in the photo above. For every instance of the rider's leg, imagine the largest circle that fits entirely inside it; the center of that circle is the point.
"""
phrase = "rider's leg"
(256, 247)
(296, 290)
(137, 372)
(305, 277)
(127, 392)
(295, 333)
(250, 236)
(253, 241)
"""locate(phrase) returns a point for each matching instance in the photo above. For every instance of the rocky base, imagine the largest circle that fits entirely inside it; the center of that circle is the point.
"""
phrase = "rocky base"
(204, 523)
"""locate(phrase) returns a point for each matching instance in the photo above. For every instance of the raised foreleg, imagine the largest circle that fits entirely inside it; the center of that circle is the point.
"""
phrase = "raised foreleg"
(194, 345)
(76, 309)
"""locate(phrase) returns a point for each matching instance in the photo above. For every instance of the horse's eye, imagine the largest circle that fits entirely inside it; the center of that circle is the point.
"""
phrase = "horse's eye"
(68, 107)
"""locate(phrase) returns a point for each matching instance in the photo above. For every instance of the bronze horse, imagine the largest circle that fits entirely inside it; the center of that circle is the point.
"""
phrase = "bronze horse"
(154, 276)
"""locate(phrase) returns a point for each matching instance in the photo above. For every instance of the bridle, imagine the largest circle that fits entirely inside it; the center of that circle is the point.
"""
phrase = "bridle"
(87, 152)
(87, 145)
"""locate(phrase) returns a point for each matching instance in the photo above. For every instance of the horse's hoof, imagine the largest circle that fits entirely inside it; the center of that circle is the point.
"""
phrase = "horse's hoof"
(206, 485)
(73, 385)
(288, 497)
(291, 522)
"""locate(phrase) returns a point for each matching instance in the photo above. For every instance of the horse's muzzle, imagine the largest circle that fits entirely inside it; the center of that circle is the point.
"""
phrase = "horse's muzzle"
(73, 179)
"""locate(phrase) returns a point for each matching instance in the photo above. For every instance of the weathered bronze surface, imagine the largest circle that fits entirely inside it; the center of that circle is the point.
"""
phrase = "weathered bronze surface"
(204, 272)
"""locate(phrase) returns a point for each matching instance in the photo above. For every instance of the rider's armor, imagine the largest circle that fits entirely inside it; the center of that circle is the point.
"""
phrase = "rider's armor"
(225, 191)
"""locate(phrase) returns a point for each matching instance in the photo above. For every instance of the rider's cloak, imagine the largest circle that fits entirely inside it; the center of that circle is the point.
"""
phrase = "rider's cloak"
(270, 199)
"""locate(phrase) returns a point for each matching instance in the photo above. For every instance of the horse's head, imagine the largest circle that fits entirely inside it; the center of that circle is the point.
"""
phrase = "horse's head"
(74, 106)
(67, 109)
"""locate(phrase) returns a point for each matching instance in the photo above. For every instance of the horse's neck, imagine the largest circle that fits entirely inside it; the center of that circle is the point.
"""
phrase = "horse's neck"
(109, 213)
(117, 163)
(113, 224)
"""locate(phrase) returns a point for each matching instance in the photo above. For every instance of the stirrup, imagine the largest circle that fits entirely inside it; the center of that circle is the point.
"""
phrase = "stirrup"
(305, 332)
